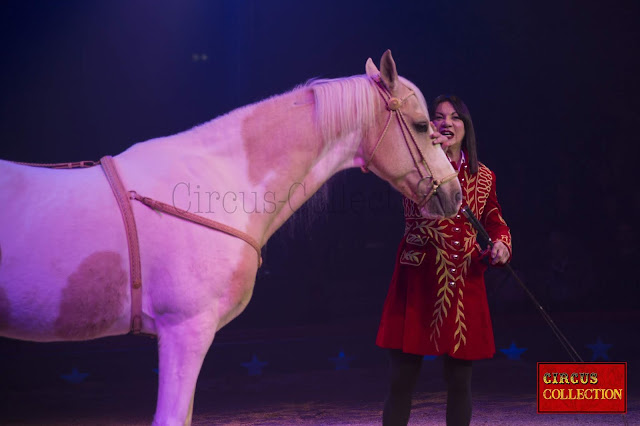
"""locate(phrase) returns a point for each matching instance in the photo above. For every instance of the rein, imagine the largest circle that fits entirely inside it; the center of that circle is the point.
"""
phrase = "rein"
(393, 106)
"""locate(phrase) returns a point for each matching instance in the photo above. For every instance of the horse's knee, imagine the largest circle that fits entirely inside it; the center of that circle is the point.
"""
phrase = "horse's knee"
(235, 310)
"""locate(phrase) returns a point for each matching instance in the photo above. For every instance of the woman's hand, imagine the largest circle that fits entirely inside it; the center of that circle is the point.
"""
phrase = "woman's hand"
(499, 253)
(438, 139)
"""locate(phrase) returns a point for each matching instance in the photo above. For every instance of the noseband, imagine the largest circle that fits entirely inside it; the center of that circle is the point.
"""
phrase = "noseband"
(393, 105)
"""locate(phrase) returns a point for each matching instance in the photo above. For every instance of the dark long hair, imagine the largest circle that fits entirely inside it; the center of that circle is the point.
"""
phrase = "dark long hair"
(469, 140)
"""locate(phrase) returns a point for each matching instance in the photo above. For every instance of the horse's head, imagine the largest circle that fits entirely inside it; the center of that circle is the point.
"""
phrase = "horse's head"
(400, 150)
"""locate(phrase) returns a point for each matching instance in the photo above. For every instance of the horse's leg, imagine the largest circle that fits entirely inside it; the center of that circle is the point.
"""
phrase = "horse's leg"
(181, 351)
(190, 415)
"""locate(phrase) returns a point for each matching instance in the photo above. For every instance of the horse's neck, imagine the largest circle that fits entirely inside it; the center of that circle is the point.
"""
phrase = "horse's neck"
(265, 159)
(287, 156)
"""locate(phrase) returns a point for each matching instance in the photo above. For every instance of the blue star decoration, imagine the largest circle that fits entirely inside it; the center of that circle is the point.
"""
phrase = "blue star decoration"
(513, 352)
(254, 367)
(342, 361)
(599, 350)
(429, 357)
(75, 377)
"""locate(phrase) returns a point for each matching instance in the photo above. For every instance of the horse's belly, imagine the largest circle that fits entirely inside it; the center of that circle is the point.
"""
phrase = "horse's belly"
(63, 260)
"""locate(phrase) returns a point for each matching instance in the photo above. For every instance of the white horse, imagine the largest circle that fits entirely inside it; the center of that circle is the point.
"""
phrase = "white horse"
(65, 269)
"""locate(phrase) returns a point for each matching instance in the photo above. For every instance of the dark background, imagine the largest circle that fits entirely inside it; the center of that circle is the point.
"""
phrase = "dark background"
(552, 87)
(553, 90)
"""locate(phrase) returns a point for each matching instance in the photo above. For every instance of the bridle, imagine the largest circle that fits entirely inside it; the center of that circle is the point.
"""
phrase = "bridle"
(393, 105)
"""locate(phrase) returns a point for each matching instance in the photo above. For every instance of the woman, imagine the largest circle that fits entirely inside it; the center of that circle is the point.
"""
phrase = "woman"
(437, 303)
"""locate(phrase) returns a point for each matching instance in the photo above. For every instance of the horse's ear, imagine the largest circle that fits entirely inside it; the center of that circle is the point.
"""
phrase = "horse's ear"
(388, 71)
(372, 70)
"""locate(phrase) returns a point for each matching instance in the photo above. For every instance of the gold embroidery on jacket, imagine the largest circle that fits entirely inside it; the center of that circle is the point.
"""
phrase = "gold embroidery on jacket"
(468, 195)
(476, 190)
(504, 238)
(445, 276)
(412, 257)
(417, 240)
(434, 229)
(469, 246)
(461, 324)
(483, 188)
(410, 209)
(407, 227)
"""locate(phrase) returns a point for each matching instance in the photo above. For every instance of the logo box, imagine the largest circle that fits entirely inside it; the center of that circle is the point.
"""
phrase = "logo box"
(582, 387)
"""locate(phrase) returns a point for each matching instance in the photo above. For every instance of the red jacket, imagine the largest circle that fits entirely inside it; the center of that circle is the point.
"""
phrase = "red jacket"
(437, 302)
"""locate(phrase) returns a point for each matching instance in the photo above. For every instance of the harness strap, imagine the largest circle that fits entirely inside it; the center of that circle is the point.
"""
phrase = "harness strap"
(135, 270)
(191, 217)
(71, 165)
(124, 203)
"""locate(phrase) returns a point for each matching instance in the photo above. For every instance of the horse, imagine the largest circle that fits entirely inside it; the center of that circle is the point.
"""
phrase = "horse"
(66, 260)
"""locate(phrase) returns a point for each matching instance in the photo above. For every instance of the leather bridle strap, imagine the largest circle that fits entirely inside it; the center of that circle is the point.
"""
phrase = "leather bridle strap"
(71, 165)
(133, 245)
(123, 199)
(191, 217)
(124, 202)
(393, 105)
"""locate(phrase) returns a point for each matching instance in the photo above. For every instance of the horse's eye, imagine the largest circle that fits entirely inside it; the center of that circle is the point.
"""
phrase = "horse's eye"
(422, 127)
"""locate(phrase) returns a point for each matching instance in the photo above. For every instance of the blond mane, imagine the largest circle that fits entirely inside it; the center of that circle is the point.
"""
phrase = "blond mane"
(344, 105)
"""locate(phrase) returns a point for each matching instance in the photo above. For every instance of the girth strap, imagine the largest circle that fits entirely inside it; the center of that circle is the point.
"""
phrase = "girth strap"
(132, 240)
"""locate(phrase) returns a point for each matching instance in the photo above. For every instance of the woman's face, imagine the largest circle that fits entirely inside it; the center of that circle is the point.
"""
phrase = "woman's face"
(449, 124)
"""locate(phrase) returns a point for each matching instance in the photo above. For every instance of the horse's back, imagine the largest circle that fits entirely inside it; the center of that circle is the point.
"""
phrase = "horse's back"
(63, 256)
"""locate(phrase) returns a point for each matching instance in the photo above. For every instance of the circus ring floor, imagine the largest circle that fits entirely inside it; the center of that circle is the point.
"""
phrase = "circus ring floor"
(300, 383)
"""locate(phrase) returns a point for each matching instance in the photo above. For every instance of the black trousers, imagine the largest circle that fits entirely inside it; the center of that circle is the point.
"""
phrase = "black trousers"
(404, 373)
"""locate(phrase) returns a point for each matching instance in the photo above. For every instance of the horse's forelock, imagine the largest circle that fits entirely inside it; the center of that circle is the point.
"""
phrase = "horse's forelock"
(344, 105)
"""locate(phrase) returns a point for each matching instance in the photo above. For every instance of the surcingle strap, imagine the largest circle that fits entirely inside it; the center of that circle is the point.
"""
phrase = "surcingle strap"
(135, 272)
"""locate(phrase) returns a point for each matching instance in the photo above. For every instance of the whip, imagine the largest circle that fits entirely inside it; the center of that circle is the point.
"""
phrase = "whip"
(482, 234)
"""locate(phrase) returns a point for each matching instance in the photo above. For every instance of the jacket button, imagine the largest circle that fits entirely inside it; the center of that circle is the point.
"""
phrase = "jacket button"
(456, 229)
(455, 256)
(452, 284)
(457, 216)
(456, 243)
(453, 270)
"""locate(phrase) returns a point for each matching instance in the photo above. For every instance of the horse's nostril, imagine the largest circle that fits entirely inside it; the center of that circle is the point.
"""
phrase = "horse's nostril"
(458, 197)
